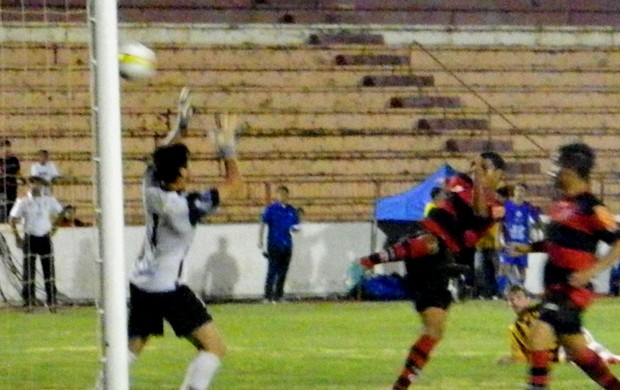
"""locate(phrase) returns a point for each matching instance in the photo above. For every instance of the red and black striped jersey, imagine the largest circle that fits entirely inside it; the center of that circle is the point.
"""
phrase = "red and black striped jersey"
(576, 226)
(454, 220)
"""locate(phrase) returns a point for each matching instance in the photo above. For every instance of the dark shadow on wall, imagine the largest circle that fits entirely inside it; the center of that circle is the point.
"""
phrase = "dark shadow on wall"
(328, 272)
(221, 273)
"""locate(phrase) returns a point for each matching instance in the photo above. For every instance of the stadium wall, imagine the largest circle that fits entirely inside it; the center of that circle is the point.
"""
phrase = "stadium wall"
(225, 262)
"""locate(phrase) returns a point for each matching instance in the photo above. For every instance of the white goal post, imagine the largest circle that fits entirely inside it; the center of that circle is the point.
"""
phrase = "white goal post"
(107, 124)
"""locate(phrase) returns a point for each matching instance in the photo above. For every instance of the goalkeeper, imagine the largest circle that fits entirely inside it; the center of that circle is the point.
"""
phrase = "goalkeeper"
(157, 290)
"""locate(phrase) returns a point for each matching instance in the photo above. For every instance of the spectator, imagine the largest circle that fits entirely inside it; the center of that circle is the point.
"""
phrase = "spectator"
(38, 212)
(437, 194)
(44, 168)
(9, 173)
(68, 218)
(281, 218)
(520, 218)
(486, 262)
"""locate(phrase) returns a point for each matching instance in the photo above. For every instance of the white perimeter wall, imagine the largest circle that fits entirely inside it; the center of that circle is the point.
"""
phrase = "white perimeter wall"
(225, 261)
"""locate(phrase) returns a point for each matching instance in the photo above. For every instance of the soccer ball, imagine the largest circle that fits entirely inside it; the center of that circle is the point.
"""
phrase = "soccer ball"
(136, 61)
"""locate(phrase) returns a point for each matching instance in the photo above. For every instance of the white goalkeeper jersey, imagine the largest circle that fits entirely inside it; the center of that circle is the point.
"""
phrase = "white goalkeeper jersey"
(171, 219)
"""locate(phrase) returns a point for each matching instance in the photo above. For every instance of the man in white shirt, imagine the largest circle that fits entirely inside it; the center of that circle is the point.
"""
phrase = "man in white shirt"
(38, 212)
(157, 291)
(44, 168)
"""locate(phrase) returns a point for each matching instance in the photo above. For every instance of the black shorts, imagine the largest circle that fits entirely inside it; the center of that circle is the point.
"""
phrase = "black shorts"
(424, 299)
(181, 308)
(427, 281)
(561, 313)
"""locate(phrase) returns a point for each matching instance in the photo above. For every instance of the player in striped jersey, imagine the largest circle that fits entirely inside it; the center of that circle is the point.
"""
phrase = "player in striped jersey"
(527, 312)
(578, 221)
(429, 253)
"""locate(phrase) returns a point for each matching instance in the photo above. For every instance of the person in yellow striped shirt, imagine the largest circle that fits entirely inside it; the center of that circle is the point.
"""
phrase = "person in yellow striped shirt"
(527, 311)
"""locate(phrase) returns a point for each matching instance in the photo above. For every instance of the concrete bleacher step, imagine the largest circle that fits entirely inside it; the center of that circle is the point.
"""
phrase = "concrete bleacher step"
(540, 190)
(346, 38)
(531, 78)
(425, 102)
(397, 81)
(440, 124)
(324, 99)
(78, 78)
(477, 145)
(455, 58)
(371, 59)
(519, 167)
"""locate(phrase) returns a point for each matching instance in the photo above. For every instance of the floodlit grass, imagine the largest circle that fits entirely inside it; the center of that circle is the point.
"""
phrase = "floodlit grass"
(324, 345)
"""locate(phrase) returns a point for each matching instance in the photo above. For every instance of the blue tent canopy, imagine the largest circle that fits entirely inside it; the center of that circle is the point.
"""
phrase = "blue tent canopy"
(409, 205)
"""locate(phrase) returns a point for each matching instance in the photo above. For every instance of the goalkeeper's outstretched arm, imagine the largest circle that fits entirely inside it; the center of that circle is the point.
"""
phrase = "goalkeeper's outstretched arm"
(181, 123)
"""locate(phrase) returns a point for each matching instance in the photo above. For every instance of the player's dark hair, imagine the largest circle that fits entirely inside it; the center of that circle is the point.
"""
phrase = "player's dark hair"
(7, 143)
(168, 161)
(578, 157)
(282, 188)
(504, 192)
(435, 191)
(497, 160)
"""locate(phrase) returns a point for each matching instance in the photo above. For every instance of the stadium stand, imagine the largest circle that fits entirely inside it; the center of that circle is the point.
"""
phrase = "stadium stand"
(342, 119)
(341, 122)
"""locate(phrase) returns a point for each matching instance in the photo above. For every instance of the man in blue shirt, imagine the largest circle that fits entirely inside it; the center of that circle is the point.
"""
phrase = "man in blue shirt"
(519, 219)
(281, 218)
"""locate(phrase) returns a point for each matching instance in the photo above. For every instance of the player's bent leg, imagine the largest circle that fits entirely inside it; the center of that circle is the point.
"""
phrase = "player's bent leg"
(542, 338)
(590, 362)
(211, 349)
(409, 249)
(136, 345)
(434, 321)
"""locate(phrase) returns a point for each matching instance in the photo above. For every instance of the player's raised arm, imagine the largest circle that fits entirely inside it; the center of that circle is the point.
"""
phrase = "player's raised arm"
(225, 138)
(181, 122)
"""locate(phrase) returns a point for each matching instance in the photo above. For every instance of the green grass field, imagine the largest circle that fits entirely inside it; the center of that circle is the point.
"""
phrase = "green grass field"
(325, 345)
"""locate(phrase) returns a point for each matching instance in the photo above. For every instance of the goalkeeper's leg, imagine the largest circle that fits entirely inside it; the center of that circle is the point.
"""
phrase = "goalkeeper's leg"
(211, 350)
